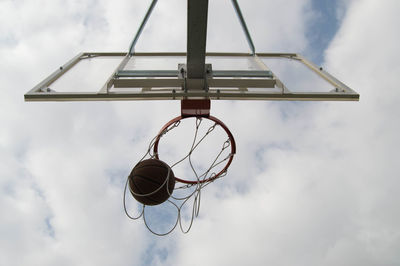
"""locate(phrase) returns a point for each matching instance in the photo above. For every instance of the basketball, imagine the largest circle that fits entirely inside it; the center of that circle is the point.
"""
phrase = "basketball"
(148, 184)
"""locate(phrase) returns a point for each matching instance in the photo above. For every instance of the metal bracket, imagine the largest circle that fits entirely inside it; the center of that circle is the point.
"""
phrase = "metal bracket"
(194, 83)
(182, 71)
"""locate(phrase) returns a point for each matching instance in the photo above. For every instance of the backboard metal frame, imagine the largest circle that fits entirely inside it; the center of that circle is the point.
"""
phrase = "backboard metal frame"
(171, 84)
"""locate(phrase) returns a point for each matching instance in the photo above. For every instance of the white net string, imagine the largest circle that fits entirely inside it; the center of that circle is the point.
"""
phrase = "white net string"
(193, 190)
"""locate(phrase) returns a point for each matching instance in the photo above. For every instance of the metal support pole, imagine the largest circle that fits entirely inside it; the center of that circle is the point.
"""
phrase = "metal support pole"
(132, 46)
(196, 39)
(244, 27)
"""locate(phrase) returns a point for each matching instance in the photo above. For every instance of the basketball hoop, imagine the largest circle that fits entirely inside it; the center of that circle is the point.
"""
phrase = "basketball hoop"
(190, 186)
(229, 143)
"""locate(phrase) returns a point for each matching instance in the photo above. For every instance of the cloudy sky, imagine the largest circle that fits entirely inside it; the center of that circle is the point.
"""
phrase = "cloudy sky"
(313, 183)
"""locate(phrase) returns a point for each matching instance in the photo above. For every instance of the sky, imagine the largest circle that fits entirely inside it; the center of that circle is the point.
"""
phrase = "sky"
(313, 183)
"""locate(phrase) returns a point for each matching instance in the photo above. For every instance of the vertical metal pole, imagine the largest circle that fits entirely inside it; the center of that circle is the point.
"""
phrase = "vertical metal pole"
(196, 38)
(132, 46)
(244, 26)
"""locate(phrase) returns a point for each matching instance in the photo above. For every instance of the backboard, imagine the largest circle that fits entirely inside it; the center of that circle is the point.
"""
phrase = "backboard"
(163, 76)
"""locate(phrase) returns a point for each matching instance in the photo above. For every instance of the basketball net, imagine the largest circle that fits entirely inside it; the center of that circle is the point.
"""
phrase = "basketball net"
(187, 190)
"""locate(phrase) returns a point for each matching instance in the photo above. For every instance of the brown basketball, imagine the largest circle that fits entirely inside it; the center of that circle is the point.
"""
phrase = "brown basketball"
(148, 184)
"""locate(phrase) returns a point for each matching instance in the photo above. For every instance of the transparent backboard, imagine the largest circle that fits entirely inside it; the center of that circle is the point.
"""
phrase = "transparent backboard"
(162, 76)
